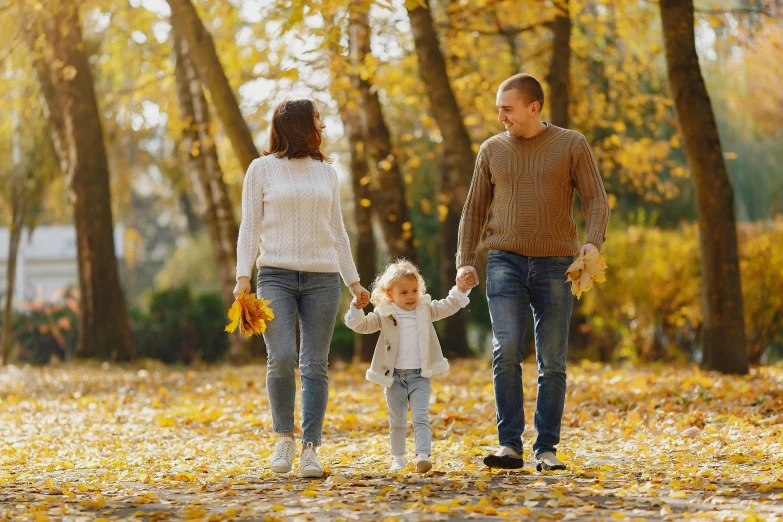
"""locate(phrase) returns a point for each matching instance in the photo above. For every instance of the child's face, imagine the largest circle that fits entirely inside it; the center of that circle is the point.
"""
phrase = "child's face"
(405, 293)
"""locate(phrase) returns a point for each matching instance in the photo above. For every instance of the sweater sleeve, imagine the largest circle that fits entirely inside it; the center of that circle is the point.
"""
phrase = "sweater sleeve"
(590, 186)
(450, 305)
(252, 216)
(475, 211)
(360, 323)
(347, 267)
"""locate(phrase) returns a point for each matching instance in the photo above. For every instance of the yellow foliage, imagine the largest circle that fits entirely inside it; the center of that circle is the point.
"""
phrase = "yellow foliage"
(250, 314)
(585, 271)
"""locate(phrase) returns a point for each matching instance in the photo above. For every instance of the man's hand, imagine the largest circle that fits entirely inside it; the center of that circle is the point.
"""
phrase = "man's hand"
(586, 249)
(360, 295)
(467, 277)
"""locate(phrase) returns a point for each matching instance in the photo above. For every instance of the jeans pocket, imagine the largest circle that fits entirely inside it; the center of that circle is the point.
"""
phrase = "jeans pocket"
(563, 260)
(495, 252)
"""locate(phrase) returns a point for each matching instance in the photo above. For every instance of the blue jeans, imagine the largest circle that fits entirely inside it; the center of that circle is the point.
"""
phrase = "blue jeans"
(314, 297)
(514, 283)
(409, 386)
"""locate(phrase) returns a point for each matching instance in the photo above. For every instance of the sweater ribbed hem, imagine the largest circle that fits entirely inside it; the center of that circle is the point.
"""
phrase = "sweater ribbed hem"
(523, 248)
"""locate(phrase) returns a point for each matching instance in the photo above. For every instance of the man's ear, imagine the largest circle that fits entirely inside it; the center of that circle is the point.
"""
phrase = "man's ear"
(535, 108)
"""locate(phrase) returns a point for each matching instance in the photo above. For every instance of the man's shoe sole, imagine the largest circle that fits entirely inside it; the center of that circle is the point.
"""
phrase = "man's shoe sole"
(494, 461)
(543, 466)
(423, 466)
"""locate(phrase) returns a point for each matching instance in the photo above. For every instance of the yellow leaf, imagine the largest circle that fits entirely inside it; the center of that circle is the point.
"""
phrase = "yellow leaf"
(164, 421)
(185, 476)
(249, 314)
(677, 494)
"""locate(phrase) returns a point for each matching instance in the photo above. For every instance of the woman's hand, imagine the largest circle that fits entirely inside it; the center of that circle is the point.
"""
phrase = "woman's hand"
(360, 294)
(243, 283)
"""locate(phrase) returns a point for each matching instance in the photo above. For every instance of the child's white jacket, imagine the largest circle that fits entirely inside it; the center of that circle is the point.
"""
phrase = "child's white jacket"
(385, 319)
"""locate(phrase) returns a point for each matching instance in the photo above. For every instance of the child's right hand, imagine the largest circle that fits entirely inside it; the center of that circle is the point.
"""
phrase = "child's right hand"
(355, 304)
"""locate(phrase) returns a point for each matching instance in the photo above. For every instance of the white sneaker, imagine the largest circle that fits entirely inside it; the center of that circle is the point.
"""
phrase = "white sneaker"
(548, 461)
(309, 467)
(398, 464)
(423, 463)
(283, 457)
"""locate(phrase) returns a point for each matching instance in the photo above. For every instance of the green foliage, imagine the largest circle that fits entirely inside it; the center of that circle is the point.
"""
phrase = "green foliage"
(47, 330)
(181, 328)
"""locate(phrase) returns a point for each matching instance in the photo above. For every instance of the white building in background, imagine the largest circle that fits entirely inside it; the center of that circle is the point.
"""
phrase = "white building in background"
(47, 261)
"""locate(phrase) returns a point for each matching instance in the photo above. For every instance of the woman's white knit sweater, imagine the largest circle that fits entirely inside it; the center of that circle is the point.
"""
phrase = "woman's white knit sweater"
(292, 207)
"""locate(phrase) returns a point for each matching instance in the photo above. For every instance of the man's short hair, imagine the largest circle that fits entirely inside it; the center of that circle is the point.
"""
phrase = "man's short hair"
(527, 86)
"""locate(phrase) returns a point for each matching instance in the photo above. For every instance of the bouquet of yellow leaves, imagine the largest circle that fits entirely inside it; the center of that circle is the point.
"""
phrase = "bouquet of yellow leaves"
(250, 314)
(584, 271)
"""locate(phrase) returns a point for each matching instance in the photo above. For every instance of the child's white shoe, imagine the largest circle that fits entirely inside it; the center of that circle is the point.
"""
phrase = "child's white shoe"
(423, 463)
(398, 464)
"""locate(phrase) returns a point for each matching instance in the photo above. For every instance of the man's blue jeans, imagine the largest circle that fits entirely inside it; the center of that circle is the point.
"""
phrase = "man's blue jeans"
(514, 283)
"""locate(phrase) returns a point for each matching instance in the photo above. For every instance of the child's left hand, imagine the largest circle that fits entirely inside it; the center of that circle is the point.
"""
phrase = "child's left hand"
(355, 304)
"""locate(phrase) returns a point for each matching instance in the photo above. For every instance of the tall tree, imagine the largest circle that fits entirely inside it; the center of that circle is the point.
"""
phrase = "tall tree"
(559, 66)
(68, 92)
(203, 52)
(457, 157)
(214, 203)
(723, 333)
(24, 181)
(388, 196)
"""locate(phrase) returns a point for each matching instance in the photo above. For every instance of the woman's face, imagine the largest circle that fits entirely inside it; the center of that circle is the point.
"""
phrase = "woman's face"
(319, 125)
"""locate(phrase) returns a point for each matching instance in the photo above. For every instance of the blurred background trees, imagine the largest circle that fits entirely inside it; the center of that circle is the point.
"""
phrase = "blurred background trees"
(183, 91)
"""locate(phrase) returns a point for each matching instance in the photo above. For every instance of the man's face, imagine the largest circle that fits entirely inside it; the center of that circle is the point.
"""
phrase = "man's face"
(513, 113)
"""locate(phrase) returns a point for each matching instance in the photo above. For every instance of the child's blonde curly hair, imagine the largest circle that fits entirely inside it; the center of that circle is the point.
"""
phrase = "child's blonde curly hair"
(394, 272)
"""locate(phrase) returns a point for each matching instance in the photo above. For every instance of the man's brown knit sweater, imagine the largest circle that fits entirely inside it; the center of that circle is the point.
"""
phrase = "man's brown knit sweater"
(528, 185)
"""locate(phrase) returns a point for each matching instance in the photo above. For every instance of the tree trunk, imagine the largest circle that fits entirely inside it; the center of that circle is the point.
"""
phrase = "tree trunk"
(388, 194)
(724, 341)
(192, 219)
(203, 53)
(15, 235)
(457, 160)
(558, 77)
(104, 329)
(212, 195)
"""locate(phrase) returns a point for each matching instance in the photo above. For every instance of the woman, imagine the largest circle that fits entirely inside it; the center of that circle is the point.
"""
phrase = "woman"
(291, 205)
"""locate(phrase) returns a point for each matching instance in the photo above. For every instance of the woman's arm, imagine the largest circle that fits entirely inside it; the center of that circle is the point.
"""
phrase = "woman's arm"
(252, 215)
(347, 266)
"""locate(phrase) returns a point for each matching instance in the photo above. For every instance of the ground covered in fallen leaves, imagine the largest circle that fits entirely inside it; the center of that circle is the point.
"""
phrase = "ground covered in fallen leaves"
(156, 443)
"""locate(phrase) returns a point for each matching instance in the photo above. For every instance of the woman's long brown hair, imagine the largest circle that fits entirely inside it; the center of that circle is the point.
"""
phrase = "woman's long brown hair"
(293, 131)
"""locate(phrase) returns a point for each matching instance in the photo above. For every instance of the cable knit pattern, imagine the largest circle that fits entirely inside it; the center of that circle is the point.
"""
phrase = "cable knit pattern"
(292, 207)
(528, 185)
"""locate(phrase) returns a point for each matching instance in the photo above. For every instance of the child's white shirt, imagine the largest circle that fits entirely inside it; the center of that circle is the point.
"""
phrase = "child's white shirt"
(408, 356)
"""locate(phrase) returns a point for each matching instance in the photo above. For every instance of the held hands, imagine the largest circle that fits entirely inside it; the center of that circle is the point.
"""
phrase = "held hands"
(361, 297)
(243, 283)
(467, 278)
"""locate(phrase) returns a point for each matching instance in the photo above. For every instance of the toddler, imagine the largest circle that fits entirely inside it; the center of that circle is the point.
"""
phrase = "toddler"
(408, 352)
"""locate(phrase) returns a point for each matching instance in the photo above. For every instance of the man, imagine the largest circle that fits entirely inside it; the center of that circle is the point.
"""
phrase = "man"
(526, 177)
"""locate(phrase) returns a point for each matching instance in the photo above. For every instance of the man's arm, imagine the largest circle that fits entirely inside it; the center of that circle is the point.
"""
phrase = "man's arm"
(590, 186)
(475, 211)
